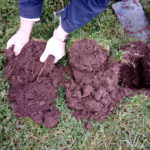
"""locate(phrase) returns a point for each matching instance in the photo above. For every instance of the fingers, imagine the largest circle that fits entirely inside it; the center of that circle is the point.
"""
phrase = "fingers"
(55, 60)
(17, 48)
(47, 51)
(44, 55)
(18, 45)
(10, 43)
(55, 48)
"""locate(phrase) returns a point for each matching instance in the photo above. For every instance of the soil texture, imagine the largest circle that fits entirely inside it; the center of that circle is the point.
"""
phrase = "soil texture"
(94, 83)
(33, 85)
(95, 91)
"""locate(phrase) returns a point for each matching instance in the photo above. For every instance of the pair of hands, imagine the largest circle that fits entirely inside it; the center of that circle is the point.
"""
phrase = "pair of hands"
(55, 45)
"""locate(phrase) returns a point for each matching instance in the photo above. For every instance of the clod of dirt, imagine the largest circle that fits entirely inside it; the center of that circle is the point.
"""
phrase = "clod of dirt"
(84, 58)
(99, 84)
(88, 126)
(33, 85)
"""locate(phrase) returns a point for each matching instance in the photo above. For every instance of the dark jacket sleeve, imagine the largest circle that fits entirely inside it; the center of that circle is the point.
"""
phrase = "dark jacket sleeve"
(30, 8)
(79, 12)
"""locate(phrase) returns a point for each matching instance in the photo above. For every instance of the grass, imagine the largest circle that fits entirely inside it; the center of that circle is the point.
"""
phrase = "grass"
(127, 129)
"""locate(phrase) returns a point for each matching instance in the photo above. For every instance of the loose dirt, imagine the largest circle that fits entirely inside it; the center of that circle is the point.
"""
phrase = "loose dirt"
(95, 86)
(33, 85)
(100, 83)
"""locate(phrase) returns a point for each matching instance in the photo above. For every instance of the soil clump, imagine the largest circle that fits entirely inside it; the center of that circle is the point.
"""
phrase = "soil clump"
(33, 85)
(95, 91)
(95, 86)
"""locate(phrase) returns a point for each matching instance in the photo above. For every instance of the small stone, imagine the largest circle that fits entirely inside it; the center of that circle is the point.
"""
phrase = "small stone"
(88, 126)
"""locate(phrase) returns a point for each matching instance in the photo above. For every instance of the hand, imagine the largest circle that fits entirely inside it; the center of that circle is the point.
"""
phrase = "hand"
(55, 45)
(18, 40)
(21, 37)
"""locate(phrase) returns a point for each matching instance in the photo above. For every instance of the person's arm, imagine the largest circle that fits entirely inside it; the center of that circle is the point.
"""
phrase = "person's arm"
(30, 12)
(55, 45)
(79, 12)
(74, 16)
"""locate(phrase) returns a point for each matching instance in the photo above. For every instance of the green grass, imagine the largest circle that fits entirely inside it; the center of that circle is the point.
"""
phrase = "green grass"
(127, 129)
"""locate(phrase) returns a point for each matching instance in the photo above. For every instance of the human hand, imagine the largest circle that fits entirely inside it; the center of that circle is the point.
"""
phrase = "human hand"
(55, 45)
(21, 37)
(18, 40)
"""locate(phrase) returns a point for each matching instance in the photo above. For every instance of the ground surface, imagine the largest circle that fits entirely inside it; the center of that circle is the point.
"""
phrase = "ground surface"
(33, 84)
(128, 128)
(94, 86)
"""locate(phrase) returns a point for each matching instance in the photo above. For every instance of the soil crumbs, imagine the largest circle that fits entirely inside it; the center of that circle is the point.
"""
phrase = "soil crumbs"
(95, 86)
(34, 84)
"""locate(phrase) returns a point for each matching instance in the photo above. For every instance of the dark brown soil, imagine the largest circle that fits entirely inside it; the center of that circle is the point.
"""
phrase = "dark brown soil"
(95, 87)
(34, 84)
(135, 71)
(94, 93)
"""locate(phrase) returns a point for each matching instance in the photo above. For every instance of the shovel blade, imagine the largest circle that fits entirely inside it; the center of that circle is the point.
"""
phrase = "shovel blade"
(132, 17)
